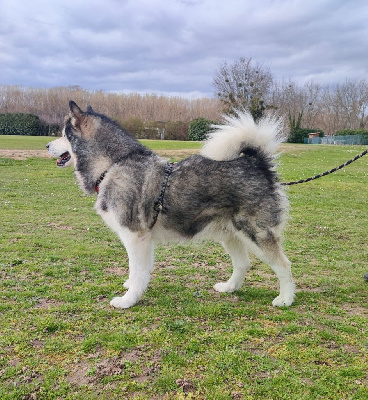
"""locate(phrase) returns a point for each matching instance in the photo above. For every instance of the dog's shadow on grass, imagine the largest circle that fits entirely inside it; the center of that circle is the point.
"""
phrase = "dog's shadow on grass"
(186, 295)
(254, 294)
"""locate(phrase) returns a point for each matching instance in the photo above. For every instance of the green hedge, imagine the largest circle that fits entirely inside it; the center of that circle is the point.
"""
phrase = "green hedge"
(199, 129)
(26, 125)
(348, 132)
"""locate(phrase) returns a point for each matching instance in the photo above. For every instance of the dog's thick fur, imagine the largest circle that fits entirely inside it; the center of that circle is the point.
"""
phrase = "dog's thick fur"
(228, 193)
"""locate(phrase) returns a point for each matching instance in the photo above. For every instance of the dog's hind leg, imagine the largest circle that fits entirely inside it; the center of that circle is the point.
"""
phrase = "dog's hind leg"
(140, 251)
(269, 251)
(241, 264)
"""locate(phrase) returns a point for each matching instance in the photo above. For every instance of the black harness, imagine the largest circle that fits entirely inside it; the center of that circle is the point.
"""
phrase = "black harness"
(159, 203)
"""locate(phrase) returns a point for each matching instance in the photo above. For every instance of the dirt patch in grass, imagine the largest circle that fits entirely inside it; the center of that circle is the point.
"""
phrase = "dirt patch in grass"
(354, 309)
(186, 385)
(309, 289)
(84, 373)
(47, 304)
(63, 227)
(293, 149)
(117, 271)
(177, 154)
(23, 154)
(79, 376)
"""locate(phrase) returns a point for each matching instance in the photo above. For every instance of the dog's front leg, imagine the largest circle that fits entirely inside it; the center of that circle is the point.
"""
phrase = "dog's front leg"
(140, 253)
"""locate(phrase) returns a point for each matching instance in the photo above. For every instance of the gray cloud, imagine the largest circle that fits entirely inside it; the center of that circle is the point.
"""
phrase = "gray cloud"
(174, 47)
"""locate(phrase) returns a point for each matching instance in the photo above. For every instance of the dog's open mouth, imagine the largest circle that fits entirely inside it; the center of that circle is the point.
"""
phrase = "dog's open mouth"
(64, 158)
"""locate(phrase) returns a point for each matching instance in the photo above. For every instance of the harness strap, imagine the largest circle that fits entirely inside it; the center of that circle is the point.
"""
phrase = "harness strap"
(159, 203)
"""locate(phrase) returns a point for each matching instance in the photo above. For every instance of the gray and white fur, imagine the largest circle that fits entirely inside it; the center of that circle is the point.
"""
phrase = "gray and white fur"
(228, 193)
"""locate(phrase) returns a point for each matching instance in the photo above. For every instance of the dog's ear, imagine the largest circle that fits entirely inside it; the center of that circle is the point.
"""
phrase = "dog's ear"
(76, 115)
(74, 109)
(90, 109)
(84, 123)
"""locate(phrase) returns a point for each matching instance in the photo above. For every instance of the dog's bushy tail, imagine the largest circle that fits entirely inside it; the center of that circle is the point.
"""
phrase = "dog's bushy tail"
(239, 132)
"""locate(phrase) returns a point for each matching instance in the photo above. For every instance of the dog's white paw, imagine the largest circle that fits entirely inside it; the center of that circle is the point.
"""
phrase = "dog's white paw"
(123, 302)
(126, 284)
(224, 287)
(282, 301)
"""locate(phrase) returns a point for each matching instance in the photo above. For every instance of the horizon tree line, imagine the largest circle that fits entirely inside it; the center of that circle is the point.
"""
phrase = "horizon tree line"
(243, 84)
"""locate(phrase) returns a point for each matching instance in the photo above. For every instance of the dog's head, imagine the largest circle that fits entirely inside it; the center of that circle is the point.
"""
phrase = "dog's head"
(78, 125)
(92, 143)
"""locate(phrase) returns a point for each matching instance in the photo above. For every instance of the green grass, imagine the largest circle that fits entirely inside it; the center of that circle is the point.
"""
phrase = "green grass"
(60, 266)
(11, 142)
(170, 144)
(39, 142)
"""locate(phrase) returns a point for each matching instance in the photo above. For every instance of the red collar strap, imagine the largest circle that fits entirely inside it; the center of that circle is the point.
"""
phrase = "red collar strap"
(99, 180)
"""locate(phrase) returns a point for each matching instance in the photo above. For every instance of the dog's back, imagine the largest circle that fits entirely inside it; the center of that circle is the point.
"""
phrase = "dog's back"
(231, 182)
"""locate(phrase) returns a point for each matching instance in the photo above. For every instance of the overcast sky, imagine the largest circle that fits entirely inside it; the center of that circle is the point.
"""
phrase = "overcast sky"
(174, 46)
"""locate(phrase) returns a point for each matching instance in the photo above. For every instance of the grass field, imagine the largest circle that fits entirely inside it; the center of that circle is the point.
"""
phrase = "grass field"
(39, 143)
(60, 266)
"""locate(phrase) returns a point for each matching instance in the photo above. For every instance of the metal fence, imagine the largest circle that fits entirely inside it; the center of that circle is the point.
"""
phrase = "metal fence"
(339, 140)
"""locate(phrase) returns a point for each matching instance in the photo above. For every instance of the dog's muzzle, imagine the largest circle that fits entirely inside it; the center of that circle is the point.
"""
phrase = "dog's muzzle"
(63, 159)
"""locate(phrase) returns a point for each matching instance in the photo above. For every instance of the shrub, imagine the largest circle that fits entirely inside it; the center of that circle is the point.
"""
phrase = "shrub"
(21, 124)
(134, 126)
(50, 129)
(153, 130)
(199, 129)
(176, 130)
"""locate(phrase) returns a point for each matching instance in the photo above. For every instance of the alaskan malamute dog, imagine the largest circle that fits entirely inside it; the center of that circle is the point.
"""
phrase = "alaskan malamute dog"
(229, 193)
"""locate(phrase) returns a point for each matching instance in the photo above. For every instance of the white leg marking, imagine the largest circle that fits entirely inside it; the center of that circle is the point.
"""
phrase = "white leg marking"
(241, 264)
(287, 286)
(141, 258)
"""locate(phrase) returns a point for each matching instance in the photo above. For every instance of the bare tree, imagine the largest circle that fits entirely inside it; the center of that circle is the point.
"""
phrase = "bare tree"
(351, 98)
(311, 111)
(330, 114)
(243, 84)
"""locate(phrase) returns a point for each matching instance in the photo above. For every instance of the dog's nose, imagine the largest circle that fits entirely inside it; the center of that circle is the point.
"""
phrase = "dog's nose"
(48, 145)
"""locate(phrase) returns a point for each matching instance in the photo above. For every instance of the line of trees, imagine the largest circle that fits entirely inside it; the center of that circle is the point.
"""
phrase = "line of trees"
(146, 116)
(51, 105)
(329, 108)
(243, 84)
